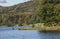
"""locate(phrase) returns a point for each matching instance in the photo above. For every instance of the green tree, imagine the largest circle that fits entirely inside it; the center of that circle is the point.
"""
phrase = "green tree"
(49, 11)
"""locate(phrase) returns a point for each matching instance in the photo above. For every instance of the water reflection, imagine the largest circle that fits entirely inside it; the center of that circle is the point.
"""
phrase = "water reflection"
(49, 35)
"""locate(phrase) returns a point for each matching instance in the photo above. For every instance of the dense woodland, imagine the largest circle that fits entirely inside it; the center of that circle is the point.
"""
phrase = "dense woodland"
(49, 12)
(31, 12)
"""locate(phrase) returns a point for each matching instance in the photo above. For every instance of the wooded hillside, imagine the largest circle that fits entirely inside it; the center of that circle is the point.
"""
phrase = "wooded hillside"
(20, 14)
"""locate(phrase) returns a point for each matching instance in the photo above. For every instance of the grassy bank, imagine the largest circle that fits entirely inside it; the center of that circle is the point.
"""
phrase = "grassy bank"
(52, 28)
(41, 27)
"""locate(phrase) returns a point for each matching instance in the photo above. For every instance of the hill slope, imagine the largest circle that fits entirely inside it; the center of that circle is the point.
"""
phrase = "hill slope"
(27, 7)
(19, 14)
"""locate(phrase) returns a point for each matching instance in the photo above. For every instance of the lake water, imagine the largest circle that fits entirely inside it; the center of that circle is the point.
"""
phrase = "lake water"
(8, 33)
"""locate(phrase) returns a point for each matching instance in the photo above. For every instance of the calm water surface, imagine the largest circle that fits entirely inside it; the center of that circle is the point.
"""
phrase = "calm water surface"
(8, 33)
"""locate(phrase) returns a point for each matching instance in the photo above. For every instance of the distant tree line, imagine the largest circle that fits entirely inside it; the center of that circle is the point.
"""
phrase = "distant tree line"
(18, 19)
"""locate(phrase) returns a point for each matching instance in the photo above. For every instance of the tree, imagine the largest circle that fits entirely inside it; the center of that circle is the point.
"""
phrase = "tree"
(49, 11)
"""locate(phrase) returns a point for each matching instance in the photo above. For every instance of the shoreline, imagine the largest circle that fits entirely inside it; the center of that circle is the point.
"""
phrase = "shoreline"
(54, 28)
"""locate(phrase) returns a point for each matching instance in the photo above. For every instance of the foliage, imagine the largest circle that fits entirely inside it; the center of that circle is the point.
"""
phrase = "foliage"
(49, 12)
